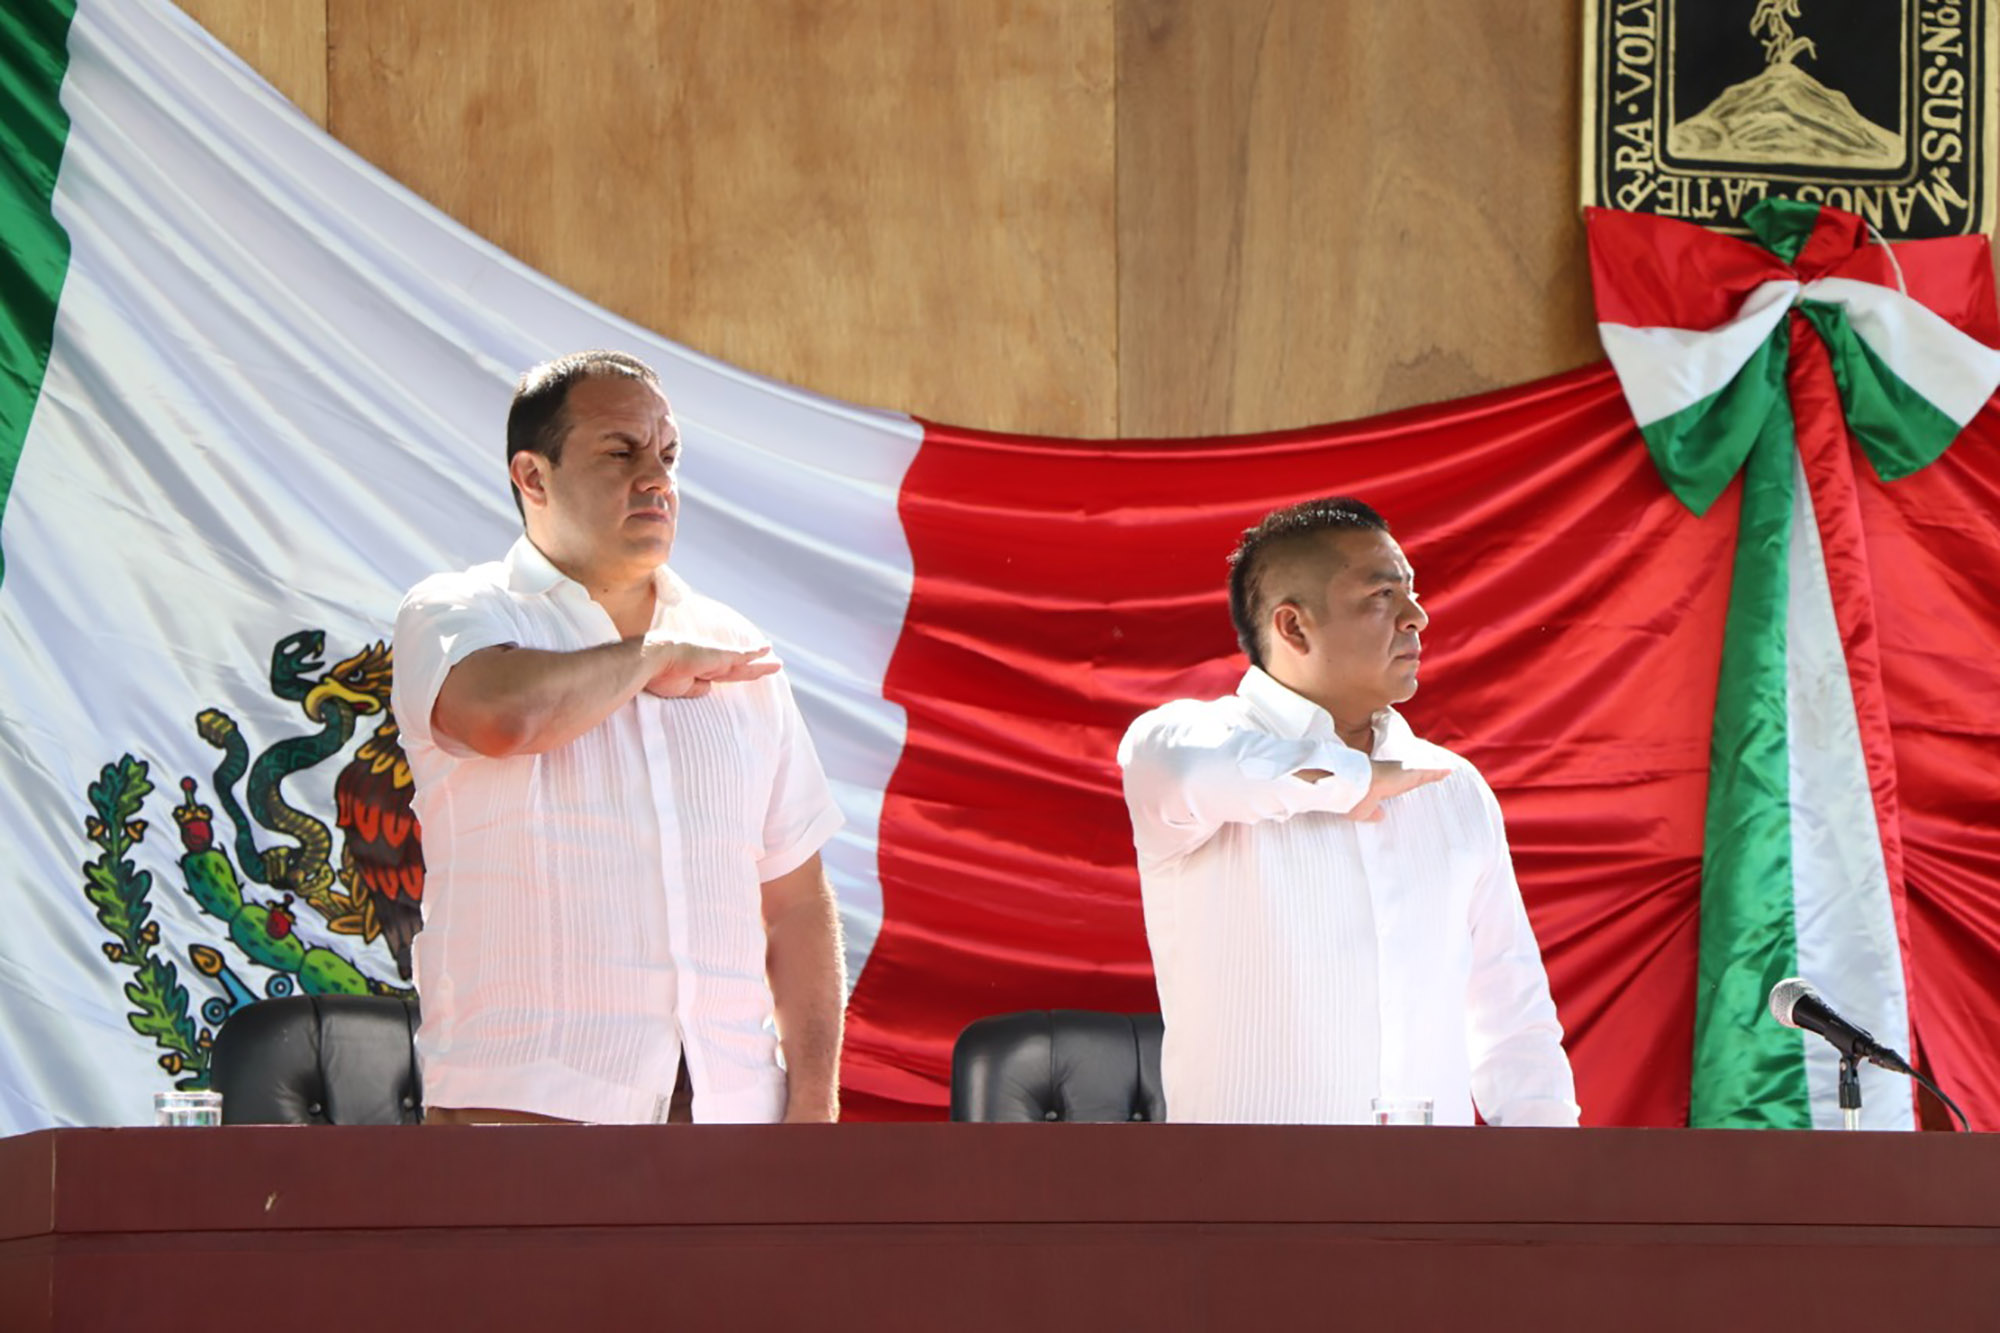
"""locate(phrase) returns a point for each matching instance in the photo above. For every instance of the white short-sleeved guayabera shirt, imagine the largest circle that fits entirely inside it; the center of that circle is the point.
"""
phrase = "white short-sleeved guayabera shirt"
(593, 911)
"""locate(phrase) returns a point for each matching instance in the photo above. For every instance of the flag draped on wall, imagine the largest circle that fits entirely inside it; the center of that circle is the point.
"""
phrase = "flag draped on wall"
(255, 391)
(250, 391)
(1777, 360)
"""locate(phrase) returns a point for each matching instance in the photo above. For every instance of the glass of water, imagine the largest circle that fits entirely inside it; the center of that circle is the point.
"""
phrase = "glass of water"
(1401, 1110)
(182, 1110)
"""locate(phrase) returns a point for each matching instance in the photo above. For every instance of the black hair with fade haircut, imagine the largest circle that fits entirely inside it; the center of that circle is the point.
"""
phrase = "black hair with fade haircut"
(538, 421)
(1284, 530)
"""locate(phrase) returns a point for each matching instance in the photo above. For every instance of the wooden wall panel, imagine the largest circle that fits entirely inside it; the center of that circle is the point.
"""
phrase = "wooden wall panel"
(907, 205)
(1328, 210)
(283, 40)
(1086, 217)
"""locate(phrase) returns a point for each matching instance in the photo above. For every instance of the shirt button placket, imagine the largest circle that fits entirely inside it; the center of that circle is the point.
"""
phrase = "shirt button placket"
(654, 720)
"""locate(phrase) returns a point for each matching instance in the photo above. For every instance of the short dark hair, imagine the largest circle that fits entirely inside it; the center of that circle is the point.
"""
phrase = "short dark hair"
(1282, 530)
(538, 421)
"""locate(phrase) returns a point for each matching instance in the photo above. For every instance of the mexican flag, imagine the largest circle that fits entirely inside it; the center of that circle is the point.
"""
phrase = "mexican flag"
(251, 391)
(1784, 359)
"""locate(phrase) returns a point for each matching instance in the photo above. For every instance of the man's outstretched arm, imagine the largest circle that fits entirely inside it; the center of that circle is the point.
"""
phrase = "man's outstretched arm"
(1189, 771)
(505, 700)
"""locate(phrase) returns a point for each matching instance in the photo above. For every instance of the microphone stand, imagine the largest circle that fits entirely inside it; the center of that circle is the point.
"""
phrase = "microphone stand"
(1854, 1046)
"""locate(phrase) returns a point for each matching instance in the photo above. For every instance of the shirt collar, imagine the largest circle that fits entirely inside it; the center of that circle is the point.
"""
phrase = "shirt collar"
(529, 571)
(1298, 718)
(1290, 714)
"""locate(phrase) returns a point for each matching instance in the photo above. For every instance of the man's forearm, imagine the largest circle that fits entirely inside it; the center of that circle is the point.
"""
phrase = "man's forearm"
(808, 990)
(507, 701)
(1184, 780)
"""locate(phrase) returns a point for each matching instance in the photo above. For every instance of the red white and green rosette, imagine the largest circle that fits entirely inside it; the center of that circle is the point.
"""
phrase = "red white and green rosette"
(1778, 361)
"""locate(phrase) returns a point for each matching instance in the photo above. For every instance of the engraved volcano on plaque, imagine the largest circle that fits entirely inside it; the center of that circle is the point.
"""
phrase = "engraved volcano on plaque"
(1698, 109)
(1785, 115)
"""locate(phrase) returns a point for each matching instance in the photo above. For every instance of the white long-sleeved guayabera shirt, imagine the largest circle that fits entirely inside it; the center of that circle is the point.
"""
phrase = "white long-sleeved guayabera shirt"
(595, 910)
(1307, 962)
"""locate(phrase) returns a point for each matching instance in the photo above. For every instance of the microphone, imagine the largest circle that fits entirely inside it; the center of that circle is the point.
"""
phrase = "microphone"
(1796, 1004)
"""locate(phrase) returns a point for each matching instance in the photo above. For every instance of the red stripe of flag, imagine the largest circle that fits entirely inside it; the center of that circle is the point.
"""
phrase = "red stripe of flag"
(1063, 587)
(1935, 565)
(1654, 272)
(1906, 656)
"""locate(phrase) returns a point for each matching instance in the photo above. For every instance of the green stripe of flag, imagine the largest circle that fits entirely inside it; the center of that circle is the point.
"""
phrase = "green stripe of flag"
(1898, 428)
(34, 56)
(1747, 1069)
(1784, 226)
(1700, 449)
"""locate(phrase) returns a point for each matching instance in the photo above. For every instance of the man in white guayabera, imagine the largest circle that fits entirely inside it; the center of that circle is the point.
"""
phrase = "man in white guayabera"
(622, 811)
(1330, 901)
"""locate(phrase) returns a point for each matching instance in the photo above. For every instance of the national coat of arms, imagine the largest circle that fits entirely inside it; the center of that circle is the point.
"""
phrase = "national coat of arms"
(284, 859)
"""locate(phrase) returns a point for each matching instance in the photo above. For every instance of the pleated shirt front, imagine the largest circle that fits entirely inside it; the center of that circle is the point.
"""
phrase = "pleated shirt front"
(595, 910)
(1307, 962)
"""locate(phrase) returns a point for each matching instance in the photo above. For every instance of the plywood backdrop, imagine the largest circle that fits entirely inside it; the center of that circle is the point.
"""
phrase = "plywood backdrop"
(1078, 217)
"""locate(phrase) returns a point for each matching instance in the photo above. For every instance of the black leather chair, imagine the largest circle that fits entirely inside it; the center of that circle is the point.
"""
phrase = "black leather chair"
(319, 1060)
(1062, 1064)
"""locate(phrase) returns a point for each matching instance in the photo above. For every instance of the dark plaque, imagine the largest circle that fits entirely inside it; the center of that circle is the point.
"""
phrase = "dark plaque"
(1697, 109)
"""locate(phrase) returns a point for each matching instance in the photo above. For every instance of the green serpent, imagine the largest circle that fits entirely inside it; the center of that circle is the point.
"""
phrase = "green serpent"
(306, 869)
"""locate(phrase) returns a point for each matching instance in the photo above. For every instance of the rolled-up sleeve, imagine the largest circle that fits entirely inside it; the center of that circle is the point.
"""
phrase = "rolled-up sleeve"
(442, 621)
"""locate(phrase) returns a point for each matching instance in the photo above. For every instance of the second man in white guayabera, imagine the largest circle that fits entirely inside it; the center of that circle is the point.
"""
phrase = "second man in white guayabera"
(622, 812)
(1330, 901)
